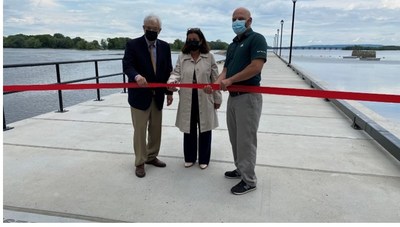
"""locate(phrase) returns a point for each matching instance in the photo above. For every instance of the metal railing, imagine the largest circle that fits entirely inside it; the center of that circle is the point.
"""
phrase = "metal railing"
(61, 109)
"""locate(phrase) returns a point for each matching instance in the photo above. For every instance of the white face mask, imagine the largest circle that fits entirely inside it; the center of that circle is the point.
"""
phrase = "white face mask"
(239, 26)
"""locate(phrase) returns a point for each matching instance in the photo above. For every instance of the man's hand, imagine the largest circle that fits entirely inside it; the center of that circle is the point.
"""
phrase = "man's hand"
(141, 81)
(225, 83)
(169, 100)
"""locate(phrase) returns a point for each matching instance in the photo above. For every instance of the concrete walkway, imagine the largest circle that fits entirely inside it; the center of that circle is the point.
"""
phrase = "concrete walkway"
(311, 166)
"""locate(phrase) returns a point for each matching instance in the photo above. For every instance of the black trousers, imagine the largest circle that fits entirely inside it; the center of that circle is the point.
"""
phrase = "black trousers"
(190, 139)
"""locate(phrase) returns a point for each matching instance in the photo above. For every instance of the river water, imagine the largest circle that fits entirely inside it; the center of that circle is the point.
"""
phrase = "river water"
(325, 66)
(19, 106)
(329, 68)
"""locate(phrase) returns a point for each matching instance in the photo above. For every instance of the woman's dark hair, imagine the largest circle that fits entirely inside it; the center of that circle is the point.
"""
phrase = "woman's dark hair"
(204, 48)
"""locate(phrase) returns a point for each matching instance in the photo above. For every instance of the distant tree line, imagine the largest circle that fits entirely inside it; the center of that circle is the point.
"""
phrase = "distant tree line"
(59, 41)
(357, 47)
(214, 45)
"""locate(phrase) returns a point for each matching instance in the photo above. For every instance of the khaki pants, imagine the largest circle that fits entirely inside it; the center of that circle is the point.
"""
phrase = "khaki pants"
(146, 149)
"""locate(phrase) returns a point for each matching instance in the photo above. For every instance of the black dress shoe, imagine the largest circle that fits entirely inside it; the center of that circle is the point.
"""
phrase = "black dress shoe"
(156, 162)
(140, 171)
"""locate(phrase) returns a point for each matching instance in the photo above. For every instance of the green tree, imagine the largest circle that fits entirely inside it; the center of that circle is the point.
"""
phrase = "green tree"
(218, 45)
(58, 40)
(103, 43)
(177, 45)
(81, 45)
(33, 42)
(68, 43)
(46, 40)
(58, 36)
(118, 43)
(94, 45)
(16, 41)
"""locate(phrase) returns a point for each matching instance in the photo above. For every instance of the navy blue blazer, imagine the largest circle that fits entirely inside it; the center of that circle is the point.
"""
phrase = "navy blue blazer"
(136, 61)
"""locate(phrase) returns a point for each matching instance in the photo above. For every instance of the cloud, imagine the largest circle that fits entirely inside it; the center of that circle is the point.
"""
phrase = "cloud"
(351, 5)
(316, 21)
(44, 3)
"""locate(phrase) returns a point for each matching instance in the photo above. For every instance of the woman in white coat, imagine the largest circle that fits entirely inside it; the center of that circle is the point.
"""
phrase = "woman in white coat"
(197, 110)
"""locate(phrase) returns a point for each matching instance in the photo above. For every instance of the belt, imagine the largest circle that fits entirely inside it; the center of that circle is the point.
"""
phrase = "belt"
(236, 93)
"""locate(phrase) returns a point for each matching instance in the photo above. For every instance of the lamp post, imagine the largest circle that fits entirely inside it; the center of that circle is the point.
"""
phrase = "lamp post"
(291, 36)
(273, 47)
(277, 40)
(280, 48)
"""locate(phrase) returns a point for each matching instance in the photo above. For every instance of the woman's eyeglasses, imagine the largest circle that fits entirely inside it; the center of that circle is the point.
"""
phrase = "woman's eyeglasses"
(193, 29)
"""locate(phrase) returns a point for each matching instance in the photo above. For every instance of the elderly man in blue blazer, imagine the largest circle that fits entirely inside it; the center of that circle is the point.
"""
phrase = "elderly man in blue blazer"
(147, 60)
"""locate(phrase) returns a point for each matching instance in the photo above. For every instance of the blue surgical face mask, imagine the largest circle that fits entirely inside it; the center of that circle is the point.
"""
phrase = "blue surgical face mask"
(239, 26)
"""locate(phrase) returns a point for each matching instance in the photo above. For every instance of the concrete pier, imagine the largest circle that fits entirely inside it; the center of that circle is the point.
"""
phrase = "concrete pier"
(312, 166)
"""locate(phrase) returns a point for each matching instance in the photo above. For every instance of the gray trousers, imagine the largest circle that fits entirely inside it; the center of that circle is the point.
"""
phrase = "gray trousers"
(243, 117)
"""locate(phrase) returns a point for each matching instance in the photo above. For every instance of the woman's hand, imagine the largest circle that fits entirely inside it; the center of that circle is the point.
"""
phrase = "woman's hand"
(172, 88)
(208, 89)
(169, 100)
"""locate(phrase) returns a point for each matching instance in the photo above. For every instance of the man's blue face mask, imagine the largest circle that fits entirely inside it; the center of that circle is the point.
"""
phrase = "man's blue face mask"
(239, 26)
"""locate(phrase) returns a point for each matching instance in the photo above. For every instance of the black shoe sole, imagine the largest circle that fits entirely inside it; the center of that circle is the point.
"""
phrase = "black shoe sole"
(241, 193)
(237, 177)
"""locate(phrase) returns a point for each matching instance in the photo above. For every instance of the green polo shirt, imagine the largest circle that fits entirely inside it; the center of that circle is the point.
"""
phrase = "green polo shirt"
(251, 45)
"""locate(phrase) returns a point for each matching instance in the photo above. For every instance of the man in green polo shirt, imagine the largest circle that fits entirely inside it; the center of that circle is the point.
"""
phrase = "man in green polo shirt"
(245, 59)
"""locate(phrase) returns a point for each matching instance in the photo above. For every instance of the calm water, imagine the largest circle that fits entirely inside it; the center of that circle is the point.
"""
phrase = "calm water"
(335, 73)
(23, 105)
(326, 66)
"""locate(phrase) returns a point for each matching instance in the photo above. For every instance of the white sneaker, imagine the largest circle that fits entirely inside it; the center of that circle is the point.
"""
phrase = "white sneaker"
(188, 164)
(203, 166)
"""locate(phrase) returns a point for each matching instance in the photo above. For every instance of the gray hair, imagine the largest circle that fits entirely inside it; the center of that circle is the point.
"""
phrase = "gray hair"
(152, 17)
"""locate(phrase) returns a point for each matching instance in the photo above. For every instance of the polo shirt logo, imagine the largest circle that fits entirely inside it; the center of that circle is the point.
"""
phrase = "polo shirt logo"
(241, 45)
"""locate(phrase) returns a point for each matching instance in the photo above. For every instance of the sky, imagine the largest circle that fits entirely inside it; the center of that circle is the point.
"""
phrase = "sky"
(317, 22)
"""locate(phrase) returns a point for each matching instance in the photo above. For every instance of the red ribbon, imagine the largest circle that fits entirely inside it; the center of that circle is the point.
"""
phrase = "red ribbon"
(373, 97)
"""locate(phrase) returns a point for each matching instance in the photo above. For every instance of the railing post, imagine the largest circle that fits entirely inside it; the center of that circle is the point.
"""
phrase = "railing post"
(97, 80)
(5, 127)
(124, 80)
(60, 99)
(123, 77)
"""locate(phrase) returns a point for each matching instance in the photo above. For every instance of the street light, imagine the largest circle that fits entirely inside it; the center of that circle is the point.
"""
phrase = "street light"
(277, 40)
(291, 36)
(280, 49)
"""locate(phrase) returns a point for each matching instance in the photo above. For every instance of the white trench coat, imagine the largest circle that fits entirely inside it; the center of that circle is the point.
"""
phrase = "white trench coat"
(206, 73)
